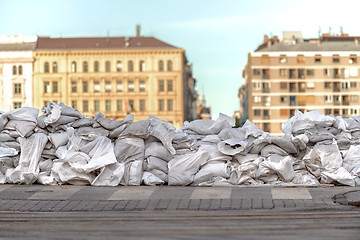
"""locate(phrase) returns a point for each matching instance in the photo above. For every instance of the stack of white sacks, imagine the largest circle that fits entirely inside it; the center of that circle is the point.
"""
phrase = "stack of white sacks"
(64, 147)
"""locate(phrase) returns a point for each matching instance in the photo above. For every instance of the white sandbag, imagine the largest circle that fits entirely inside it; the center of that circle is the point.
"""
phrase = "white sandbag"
(207, 127)
(339, 175)
(51, 113)
(110, 175)
(150, 179)
(64, 173)
(69, 111)
(8, 152)
(258, 143)
(4, 137)
(129, 149)
(83, 122)
(212, 169)
(160, 174)
(251, 130)
(137, 129)
(45, 179)
(284, 168)
(58, 139)
(106, 122)
(3, 121)
(101, 153)
(2, 178)
(31, 149)
(301, 141)
(228, 133)
(242, 159)
(135, 173)
(24, 128)
(214, 153)
(285, 144)
(45, 165)
(232, 146)
(183, 169)
(164, 131)
(330, 156)
(6, 163)
(157, 149)
(90, 133)
(152, 162)
(304, 178)
(273, 149)
(24, 114)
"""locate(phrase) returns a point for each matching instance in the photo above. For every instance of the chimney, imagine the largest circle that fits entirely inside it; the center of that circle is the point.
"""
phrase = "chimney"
(138, 30)
(266, 38)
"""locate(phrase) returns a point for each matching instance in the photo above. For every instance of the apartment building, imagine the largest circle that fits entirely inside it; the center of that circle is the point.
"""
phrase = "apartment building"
(140, 75)
(16, 71)
(305, 74)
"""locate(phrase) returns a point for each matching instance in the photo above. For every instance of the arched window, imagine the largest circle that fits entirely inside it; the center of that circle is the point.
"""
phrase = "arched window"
(169, 65)
(119, 66)
(85, 67)
(73, 67)
(54, 67)
(14, 70)
(142, 66)
(46, 67)
(107, 66)
(130, 66)
(20, 70)
(96, 66)
(161, 65)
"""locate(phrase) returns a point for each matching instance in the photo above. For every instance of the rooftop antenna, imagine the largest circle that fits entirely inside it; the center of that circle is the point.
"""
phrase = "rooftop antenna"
(341, 30)
(319, 32)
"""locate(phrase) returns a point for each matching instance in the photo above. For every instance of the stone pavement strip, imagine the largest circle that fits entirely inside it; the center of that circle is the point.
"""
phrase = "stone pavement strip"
(66, 198)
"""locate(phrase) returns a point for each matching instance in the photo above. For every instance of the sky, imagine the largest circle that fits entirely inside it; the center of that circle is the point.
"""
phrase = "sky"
(217, 35)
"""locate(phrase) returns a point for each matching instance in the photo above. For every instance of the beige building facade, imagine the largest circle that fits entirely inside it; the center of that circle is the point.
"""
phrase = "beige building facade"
(117, 76)
(302, 74)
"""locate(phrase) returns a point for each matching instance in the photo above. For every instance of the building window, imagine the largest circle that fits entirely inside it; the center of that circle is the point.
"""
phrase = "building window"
(354, 98)
(85, 86)
(96, 105)
(131, 86)
(283, 99)
(54, 67)
(283, 59)
(107, 86)
(55, 87)
(107, 105)
(142, 105)
(257, 85)
(161, 86)
(20, 70)
(74, 104)
(119, 86)
(284, 85)
(328, 98)
(130, 66)
(327, 72)
(96, 86)
(107, 66)
(284, 112)
(73, 67)
(161, 105)
(257, 113)
(336, 58)
(257, 99)
(46, 67)
(310, 72)
(169, 85)
(96, 66)
(119, 105)
(283, 72)
(142, 86)
(85, 106)
(301, 73)
(170, 105)
(161, 65)
(73, 86)
(266, 74)
(256, 72)
(352, 59)
(353, 85)
(266, 127)
(293, 101)
(327, 111)
(17, 105)
(265, 59)
(317, 58)
(131, 106)
(46, 87)
(119, 66)
(141, 66)
(17, 88)
(300, 59)
(85, 67)
(327, 85)
(169, 65)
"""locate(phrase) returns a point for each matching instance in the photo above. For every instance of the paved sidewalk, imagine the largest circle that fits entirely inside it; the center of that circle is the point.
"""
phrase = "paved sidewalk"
(67, 198)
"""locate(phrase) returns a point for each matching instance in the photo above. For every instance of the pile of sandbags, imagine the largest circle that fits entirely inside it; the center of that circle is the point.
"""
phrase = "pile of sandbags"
(64, 147)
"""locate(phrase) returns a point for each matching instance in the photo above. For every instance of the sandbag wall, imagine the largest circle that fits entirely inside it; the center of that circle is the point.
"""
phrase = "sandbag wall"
(62, 146)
